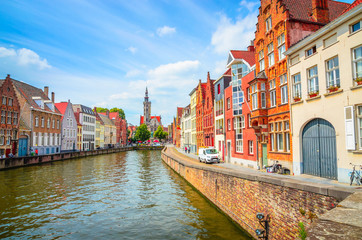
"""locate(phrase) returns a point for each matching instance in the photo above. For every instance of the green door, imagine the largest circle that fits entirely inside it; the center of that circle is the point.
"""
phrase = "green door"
(265, 156)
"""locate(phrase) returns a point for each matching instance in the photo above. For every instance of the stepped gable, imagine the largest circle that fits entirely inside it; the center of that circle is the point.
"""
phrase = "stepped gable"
(302, 9)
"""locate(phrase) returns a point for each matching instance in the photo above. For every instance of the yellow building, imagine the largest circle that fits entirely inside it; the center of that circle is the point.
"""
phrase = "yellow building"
(110, 130)
(193, 120)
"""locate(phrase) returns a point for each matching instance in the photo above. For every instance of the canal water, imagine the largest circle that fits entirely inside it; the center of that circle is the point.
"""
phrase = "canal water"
(128, 195)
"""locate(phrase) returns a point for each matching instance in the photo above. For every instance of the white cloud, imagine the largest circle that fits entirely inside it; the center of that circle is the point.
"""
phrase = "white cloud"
(133, 50)
(133, 73)
(24, 57)
(233, 35)
(250, 5)
(4, 52)
(165, 30)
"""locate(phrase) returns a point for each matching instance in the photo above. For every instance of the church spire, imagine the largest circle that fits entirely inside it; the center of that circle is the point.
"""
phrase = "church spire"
(146, 95)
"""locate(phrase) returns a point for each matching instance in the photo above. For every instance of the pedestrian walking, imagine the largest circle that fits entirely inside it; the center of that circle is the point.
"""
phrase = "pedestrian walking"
(188, 149)
(185, 149)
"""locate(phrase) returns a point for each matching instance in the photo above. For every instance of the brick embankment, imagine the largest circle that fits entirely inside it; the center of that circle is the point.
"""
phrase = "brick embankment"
(241, 195)
(7, 163)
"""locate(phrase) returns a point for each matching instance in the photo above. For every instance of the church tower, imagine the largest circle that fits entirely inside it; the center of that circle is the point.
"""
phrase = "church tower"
(147, 108)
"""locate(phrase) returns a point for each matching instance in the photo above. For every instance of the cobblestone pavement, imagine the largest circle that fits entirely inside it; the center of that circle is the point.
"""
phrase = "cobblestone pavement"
(303, 177)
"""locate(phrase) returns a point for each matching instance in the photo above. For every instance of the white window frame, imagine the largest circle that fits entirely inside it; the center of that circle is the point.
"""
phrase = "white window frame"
(359, 123)
(312, 79)
(281, 46)
(284, 94)
(356, 61)
(332, 72)
(251, 147)
(297, 87)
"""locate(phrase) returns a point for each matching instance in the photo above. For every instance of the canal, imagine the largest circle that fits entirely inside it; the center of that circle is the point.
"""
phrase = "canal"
(127, 195)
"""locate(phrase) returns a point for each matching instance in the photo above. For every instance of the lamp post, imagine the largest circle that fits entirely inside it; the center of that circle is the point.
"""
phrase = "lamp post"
(264, 222)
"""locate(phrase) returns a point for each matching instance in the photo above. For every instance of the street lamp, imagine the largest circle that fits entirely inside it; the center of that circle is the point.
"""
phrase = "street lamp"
(264, 222)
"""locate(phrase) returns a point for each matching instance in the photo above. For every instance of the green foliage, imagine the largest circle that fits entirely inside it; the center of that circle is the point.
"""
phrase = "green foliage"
(102, 110)
(142, 133)
(302, 232)
(119, 110)
(160, 134)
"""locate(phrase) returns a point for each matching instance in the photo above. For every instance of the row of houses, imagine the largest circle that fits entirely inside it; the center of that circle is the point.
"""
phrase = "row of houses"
(31, 123)
(293, 96)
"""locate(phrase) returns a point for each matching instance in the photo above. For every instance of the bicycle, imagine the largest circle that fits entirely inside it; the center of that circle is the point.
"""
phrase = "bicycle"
(356, 175)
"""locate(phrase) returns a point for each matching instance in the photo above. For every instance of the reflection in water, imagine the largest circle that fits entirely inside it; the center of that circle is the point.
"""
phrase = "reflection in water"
(130, 195)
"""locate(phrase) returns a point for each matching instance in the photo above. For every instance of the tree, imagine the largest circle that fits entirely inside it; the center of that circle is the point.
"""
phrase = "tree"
(119, 110)
(160, 134)
(142, 133)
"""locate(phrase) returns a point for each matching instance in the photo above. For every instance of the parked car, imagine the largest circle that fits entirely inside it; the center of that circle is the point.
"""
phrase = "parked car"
(209, 155)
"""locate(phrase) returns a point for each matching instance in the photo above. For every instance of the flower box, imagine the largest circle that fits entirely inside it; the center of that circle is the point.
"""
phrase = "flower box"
(297, 99)
(358, 80)
(313, 94)
(333, 88)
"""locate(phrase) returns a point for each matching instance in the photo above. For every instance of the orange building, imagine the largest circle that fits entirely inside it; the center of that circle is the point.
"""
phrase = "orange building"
(280, 25)
(200, 96)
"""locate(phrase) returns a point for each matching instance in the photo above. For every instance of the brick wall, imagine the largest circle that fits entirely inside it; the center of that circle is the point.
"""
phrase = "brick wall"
(242, 197)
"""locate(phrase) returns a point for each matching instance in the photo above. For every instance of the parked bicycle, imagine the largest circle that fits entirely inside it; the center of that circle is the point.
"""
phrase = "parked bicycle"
(275, 168)
(355, 175)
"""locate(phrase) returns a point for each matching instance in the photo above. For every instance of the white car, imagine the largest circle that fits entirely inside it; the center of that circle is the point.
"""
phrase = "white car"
(208, 155)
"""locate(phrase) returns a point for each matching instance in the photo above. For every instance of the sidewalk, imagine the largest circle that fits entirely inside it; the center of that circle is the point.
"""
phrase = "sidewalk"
(303, 177)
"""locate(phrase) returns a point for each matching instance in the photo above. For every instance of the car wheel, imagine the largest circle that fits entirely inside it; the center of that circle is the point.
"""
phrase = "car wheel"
(199, 159)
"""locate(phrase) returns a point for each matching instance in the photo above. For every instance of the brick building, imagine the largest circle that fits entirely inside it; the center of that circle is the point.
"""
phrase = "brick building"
(200, 96)
(280, 24)
(9, 128)
(208, 120)
(39, 114)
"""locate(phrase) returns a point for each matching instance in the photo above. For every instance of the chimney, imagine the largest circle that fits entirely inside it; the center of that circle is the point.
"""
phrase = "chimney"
(46, 90)
(53, 97)
(8, 76)
(95, 109)
(251, 46)
(107, 113)
(320, 11)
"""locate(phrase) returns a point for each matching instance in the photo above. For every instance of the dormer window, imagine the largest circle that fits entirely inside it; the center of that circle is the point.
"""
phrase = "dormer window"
(50, 105)
(39, 101)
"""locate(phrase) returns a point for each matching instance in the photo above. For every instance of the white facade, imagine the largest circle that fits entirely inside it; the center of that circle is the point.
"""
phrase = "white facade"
(323, 69)
(88, 120)
(186, 128)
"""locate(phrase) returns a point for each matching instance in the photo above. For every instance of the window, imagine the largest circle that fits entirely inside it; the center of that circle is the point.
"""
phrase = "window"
(36, 121)
(218, 89)
(312, 75)
(263, 100)
(238, 134)
(9, 118)
(284, 94)
(42, 122)
(15, 118)
(57, 124)
(243, 121)
(249, 120)
(10, 102)
(48, 123)
(359, 121)
(279, 136)
(248, 93)
(251, 147)
(355, 27)
(228, 103)
(357, 62)
(268, 24)
(310, 51)
(3, 116)
(271, 54)
(229, 125)
(281, 46)
(297, 89)
(283, 79)
(261, 60)
(4, 101)
(333, 72)
(254, 96)
(53, 123)
(272, 93)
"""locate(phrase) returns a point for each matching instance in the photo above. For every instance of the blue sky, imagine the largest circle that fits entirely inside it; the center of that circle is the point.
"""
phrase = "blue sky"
(104, 53)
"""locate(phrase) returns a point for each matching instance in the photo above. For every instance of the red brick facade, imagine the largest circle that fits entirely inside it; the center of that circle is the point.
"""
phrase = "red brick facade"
(280, 24)
(208, 119)
(10, 115)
